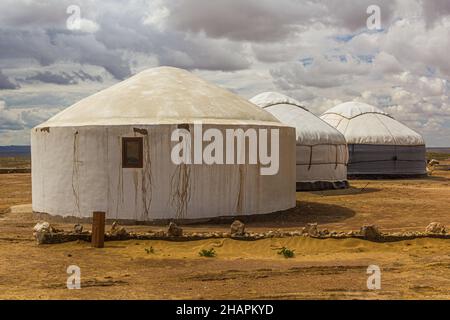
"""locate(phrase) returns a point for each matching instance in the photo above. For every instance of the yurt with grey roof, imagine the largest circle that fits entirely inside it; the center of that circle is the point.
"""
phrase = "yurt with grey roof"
(114, 152)
(379, 145)
(321, 150)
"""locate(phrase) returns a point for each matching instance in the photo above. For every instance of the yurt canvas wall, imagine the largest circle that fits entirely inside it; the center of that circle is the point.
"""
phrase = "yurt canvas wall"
(379, 145)
(321, 150)
(78, 155)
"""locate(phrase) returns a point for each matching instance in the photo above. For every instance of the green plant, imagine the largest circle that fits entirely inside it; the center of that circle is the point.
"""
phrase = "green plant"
(207, 253)
(150, 250)
(287, 253)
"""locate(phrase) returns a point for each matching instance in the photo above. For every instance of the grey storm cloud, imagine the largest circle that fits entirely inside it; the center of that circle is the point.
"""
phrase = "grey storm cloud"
(253, 20)
(83, 76)
(266, 20)
(63, 78)
(48, 77)
(48, 47)
(186, 36)
(33, 117)
(9, 119)
(295, 46)
(32, 14)
(170, 47)
(352, 15)
(17, 119)
(29, 33)
(5, 83)
(435, 10)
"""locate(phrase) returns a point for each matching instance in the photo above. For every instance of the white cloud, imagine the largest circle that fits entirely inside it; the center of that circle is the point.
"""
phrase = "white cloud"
(10, 120)
(157, 15)
(88, 26)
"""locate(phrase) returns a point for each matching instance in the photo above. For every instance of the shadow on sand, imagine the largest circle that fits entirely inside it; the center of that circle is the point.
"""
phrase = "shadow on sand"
(437, 178)
(346, 192)
(303, 213)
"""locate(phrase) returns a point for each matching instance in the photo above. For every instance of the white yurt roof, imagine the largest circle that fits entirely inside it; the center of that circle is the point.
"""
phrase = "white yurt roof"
(365, 124)
(162, 95)
(310, 129)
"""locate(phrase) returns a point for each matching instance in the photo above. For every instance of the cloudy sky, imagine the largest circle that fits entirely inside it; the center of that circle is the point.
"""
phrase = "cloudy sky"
(319, 52)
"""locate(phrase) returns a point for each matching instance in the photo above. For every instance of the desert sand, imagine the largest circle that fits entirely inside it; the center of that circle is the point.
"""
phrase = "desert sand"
(320, 269)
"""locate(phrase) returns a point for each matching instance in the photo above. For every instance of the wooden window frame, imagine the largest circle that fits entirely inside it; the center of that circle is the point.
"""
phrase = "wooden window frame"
(140, 164)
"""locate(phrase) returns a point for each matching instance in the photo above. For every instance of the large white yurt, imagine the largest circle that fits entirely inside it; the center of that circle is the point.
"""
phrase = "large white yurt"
(112, 152)
(379, 145)
(321, 150)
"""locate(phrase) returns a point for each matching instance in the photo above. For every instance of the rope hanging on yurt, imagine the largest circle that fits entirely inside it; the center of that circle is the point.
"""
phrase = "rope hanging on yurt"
(337, 159)
(336, 149)
(310, 158)
(75, 173)
(147, 178)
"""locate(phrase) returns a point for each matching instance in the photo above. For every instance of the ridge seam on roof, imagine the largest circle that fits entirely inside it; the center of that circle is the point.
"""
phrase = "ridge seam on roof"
(288, 103)
(393, 137)
(350, 118)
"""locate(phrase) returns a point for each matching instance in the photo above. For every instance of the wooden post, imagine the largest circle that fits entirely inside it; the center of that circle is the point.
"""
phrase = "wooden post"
(98, 229)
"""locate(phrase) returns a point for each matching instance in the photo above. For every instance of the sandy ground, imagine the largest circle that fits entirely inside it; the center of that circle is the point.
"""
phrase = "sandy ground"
(323, 269)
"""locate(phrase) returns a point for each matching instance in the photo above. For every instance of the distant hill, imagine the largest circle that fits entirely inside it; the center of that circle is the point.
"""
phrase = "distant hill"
(15, 151)
(439, 150)
(439, 154)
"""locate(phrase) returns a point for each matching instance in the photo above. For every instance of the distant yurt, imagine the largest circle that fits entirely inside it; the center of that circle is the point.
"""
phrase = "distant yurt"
(321, 150)
(113, 152)
(379, 145)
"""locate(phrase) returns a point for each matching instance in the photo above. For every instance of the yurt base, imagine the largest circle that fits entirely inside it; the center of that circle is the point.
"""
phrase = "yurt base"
(221, 220)
(322, 185)
(126, 222)
(385, 176)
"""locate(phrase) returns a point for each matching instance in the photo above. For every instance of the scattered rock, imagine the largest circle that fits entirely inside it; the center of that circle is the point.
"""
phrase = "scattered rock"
(78, 228)
(311, 230)
(370, 232)
(277, 233)
(174, 230)
(117, 230)
(159, 233)
(42, 227)
(47, 234)
(436, 228)
(114, 226)
(433, 162)
(46, 228)
(237, 228)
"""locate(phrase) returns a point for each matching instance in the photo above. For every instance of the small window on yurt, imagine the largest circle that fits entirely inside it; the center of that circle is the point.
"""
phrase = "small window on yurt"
(132, 153)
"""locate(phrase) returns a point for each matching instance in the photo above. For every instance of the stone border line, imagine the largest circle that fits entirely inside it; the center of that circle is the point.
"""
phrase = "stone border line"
(44, 233)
